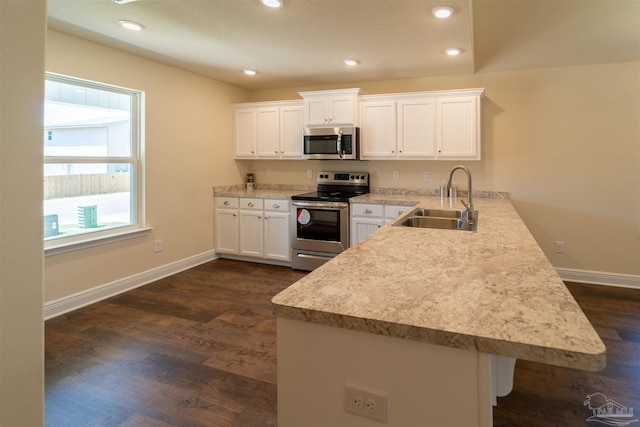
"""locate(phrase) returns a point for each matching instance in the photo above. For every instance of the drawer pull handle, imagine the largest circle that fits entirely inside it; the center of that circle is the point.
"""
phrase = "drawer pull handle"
(367, 211)
(276, 206)
(226, 203)
(250, 204)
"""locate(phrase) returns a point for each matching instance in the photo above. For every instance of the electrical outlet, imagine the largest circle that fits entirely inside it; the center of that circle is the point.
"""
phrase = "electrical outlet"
(559, 247)
(427, 176)
(309, 173)
(365, 402)
(396, 175)
(157, 246)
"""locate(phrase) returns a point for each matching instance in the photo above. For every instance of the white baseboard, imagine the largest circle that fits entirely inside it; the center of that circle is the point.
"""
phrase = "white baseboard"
(90, 296)
(599, 278)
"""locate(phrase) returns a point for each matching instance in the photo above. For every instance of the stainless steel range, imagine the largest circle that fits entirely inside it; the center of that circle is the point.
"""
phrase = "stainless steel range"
(320, 220)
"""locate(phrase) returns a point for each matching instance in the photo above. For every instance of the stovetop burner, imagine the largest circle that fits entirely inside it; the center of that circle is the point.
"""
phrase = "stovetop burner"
(337, 187)
(324, 196)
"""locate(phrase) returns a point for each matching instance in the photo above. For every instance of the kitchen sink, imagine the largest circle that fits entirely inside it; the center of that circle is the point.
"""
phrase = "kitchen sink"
(440, 213)
(443, 219)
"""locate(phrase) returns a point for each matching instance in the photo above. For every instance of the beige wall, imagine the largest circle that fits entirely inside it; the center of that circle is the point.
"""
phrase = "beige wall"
(565, 142)
(562, 141)
(188, 150)
(22, 39)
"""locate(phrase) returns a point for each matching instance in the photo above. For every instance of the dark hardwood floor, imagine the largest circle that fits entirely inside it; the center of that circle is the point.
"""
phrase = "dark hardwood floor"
(198, 349)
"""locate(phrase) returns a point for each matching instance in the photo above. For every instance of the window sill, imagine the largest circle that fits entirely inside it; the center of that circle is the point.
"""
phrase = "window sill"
(90, 242)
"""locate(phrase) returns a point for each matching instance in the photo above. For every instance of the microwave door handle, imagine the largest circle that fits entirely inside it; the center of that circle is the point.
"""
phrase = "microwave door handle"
(339, 144)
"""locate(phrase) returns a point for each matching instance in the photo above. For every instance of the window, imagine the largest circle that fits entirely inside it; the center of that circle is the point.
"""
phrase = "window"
(93, 165)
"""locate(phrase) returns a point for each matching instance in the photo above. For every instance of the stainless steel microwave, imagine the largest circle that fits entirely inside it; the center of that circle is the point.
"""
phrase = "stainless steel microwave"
(334, 143)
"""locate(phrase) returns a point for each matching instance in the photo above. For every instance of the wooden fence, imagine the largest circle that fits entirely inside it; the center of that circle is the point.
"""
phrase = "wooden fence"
(60, 186)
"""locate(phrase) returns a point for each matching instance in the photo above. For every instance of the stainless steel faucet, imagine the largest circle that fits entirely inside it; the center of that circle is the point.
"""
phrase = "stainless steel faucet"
(469, 203)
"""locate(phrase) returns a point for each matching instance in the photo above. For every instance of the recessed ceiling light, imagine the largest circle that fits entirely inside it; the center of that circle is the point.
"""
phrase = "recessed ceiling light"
(452, 51)
(273, 3)
(351, 62)
(250, 72)
(442, 11)
(130, 25)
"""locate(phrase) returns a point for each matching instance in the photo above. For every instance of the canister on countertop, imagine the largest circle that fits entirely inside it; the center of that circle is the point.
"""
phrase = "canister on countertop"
(250, 184)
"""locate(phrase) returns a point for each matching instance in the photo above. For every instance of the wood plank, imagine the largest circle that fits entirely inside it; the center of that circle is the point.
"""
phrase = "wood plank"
(198, 349)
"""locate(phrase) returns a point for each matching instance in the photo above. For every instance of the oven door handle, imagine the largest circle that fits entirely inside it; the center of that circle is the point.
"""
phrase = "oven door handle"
(320, 205)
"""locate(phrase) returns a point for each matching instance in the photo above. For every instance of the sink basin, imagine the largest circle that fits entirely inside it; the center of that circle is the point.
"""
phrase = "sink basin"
(443, 219)
(440, 213)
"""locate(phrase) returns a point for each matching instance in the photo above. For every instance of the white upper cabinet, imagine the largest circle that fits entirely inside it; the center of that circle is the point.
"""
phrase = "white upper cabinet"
(378, 129)
(421, 125)
(459, 127)
(331, 107)
(291, 125)
(439, 125)
(268, 130)
(417, 128)
(245, 132)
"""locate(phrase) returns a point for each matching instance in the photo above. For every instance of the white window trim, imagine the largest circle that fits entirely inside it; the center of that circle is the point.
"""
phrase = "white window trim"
(59, 245)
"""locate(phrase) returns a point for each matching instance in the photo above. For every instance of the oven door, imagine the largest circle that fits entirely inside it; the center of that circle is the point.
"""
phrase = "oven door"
(320, 226)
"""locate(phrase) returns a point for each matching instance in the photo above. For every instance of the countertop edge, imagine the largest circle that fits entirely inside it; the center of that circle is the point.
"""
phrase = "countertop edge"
(593, 362)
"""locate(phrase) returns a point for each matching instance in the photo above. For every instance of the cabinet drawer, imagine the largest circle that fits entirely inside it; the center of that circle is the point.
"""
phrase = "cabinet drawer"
(278, 205)
(365, 210)
(394, 211)
(227, 202)
(251, 203)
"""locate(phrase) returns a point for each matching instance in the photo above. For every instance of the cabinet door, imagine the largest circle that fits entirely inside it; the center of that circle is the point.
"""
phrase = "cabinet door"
(315, 110)
(416, 129)
(335, 110)
(458, 128)
(268, 132)
(362, 227)
(342, 110)
(378, 130)
(251, 233)
(277, 236)
(226, 231)
(245, 132)
(291, 126)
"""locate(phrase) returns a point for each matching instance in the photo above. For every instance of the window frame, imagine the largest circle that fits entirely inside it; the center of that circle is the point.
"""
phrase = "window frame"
(61, 244)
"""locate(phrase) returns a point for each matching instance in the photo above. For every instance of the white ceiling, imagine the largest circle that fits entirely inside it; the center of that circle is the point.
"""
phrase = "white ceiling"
(305, 41)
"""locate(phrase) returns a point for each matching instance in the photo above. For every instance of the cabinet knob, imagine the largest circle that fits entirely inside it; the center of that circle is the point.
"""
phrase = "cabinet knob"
(276, 151)
(276, 206)
(250, 204)
(393, 151)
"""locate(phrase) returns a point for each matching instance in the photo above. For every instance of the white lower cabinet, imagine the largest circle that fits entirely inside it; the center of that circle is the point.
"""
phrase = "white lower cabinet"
(253, 228)
(368, 217)
(226, 225)
(277, 230)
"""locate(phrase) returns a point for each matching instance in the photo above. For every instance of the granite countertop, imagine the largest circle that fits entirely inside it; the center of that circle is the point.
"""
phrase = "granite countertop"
(259, 193)
(491, 291)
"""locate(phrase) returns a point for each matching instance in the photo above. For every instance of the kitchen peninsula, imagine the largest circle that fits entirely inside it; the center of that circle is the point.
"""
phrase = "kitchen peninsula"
(432, 320)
